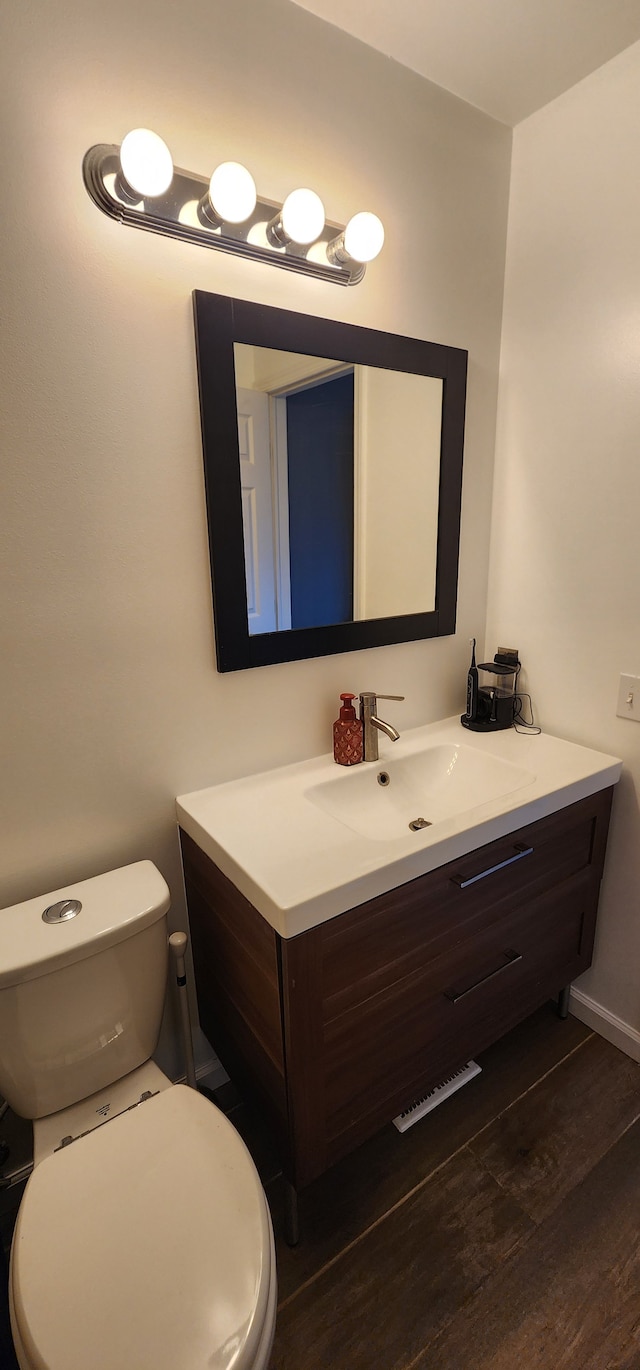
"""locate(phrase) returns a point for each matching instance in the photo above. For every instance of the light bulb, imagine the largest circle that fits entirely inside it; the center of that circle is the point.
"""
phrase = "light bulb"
(232, 193)
(303, 216)
(364, 236)
(146, 162)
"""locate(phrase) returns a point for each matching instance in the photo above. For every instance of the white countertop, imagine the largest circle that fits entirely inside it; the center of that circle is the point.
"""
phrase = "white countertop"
(299, 865)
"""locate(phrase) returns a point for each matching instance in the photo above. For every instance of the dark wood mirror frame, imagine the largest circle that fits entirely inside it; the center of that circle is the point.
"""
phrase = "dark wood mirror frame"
(221, 322)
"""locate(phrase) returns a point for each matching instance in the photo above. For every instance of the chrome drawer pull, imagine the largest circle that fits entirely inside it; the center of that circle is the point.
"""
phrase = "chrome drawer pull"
(520, 851)
(454, 995)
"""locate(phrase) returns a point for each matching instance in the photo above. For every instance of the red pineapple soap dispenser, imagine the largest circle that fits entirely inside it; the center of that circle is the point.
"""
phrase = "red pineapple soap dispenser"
(347, 734)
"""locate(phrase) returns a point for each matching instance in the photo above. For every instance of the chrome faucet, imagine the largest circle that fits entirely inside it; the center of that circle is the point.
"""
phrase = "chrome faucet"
(372, 725)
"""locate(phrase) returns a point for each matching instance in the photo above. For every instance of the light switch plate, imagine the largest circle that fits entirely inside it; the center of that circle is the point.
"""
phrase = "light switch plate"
(629, 697)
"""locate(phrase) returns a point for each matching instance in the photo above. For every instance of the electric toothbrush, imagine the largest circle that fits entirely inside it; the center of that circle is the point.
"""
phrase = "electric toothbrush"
(472, 685)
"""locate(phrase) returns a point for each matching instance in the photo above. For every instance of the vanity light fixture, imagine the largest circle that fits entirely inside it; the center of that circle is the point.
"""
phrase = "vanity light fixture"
(301, 219)
(138, 185)
(231, 197)
(146, 166)
(361, 241)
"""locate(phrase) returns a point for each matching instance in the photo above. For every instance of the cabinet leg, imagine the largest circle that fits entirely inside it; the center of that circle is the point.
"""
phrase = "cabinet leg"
(291, 1221)
(563, 1002)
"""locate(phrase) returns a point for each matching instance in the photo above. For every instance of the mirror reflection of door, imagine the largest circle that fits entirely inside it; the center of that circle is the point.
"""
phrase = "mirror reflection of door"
(296, 474)
(340, 491)
(257, 511)
(320, 488)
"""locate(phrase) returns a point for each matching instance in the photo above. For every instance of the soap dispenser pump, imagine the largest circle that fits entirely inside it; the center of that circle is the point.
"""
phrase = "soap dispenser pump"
(347, 734)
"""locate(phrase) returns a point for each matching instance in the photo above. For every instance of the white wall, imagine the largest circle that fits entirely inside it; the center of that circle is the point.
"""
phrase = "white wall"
(111, 704)
(565, 568)
(397, 482)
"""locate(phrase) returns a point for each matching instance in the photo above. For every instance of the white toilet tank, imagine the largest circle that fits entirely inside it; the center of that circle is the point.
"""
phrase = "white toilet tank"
(81, 997)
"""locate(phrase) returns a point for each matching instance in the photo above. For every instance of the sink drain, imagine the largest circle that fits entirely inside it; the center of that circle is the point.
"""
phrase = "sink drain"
(417, 823)
(383, 778)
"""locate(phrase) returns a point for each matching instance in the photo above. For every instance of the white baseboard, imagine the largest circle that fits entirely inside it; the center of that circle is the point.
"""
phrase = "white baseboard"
(210, 1072)
(619, 1033)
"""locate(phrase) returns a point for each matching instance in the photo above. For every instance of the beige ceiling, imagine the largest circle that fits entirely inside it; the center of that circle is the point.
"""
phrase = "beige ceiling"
(507, 57)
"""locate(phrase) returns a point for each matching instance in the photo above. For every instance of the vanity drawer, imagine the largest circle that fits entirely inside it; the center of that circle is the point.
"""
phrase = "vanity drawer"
(380, 1054)
(336, 1031)
(381, 942)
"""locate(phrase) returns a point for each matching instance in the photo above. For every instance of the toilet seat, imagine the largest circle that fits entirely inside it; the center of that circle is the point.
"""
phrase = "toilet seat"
(147, 1242)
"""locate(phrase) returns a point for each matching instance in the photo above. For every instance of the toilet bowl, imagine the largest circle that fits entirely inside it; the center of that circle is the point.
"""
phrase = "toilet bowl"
(143, 1238)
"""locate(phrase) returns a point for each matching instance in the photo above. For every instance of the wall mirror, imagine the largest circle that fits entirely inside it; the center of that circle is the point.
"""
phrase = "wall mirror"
(333, 473)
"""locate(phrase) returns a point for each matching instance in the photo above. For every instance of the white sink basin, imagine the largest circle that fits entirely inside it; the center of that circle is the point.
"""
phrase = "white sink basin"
(305, 842)
(381, 800)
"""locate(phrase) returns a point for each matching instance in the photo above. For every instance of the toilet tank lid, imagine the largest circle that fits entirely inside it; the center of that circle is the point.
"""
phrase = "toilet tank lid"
(115, 906)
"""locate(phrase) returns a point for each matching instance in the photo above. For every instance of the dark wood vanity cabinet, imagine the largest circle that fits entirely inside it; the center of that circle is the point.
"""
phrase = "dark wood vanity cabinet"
(336, 1031)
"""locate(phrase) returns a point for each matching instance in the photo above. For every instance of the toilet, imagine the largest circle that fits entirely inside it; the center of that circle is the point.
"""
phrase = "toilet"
(143, 1240)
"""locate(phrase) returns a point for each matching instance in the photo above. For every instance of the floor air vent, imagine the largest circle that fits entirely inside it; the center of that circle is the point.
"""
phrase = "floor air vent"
(435, 1096)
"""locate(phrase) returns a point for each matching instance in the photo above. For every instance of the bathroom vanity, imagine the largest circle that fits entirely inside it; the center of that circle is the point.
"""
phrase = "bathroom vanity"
(341, 975)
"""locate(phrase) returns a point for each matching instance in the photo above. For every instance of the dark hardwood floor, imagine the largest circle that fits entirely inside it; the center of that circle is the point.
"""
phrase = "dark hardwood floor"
(501, 1231)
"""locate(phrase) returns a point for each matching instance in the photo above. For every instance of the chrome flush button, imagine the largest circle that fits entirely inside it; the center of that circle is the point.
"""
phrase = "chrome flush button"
(62, 911)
